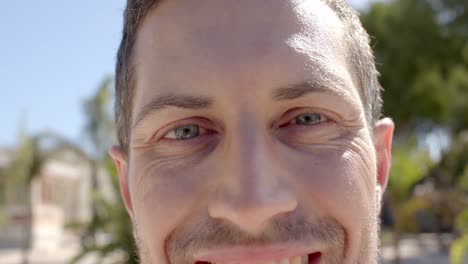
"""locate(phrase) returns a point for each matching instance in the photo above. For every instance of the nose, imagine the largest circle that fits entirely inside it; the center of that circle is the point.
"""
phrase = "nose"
(253, 190)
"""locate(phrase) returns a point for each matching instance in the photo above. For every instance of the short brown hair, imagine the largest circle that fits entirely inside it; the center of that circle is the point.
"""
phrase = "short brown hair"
(356, 37)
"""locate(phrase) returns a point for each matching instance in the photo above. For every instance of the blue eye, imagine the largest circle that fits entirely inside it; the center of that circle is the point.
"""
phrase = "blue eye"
(309, 119)
(185, 132)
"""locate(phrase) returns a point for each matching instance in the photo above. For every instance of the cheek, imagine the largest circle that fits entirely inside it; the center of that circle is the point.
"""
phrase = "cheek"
(158, 179)
(331, 176)
(335, 180)
(165, 192)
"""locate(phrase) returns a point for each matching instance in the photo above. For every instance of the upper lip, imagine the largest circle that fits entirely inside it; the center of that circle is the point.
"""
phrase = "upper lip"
(254, 254)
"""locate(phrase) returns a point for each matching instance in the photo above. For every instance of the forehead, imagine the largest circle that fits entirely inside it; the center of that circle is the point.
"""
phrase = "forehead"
(238, 42)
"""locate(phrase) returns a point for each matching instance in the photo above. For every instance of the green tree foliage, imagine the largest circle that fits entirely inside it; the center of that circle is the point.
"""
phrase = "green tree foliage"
(409, 166)
(459, 249)
(421, 48)
(109, 217)
(99, 131)
(121, 230)
(99, 128)
(454, 15)
(422, 61)
(454, 167)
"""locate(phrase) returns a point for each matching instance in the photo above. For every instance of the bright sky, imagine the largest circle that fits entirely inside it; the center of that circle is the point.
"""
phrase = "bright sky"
(54, 53)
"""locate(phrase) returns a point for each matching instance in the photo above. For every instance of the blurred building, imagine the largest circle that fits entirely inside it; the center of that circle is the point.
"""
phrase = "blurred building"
(59, 196)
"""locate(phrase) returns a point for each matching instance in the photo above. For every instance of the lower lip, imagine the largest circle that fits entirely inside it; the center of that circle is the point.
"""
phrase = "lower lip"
(314, 258)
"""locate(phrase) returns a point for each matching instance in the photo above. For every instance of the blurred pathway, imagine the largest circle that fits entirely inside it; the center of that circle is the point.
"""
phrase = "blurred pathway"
(413, 251)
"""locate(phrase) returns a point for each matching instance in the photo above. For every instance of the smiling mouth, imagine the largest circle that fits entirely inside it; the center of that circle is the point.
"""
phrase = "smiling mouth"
(313, 258)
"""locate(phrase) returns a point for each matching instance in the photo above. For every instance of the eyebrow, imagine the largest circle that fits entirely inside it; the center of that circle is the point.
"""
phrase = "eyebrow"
(298, 90)
(181, 101)
(198, 102)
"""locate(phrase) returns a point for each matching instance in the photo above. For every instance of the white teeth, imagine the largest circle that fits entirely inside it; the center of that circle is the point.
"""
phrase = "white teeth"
(284, 261)
(296, 260)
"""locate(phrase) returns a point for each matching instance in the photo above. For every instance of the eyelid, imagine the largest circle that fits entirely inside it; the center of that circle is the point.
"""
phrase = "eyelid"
(199, 121)
(287, 117)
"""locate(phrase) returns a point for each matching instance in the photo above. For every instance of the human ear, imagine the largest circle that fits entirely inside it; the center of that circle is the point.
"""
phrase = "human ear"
(383, 135)
(120, 161)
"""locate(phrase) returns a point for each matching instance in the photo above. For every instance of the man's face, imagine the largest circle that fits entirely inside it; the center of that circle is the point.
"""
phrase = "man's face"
(249, 142)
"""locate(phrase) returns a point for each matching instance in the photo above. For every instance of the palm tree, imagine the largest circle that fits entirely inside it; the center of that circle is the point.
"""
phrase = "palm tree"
(99, 136)
(109, 216)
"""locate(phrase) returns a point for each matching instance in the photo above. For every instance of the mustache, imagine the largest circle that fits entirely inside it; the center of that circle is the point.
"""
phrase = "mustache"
(208, 233)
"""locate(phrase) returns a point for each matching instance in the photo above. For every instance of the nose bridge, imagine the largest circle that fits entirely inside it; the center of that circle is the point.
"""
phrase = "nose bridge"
(252, 191)
(252, 156)
(249, 161)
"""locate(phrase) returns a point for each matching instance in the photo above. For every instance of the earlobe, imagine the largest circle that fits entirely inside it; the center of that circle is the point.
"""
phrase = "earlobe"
(383, 134)
(120, 162)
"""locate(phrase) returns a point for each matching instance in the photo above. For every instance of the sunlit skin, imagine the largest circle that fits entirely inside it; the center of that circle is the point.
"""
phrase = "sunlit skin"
(249, 142)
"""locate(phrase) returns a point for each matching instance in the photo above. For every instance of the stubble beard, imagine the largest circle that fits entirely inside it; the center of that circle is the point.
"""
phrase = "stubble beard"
(185, 241)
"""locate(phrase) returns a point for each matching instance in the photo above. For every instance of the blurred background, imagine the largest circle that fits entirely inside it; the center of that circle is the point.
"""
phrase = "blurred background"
(59, 200)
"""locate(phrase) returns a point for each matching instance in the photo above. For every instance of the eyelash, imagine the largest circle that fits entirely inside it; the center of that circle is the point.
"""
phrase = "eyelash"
(289, 117)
